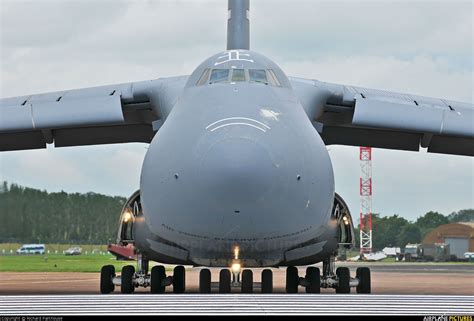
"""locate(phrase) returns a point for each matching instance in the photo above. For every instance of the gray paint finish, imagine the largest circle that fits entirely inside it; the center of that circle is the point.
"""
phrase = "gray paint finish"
(63, 113)
(369, 117)
(238, 25)
(411, 116)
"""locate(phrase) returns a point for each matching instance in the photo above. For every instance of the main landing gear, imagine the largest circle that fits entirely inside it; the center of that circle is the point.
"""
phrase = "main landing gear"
(338, 279)
(157, 280)
(130, 279)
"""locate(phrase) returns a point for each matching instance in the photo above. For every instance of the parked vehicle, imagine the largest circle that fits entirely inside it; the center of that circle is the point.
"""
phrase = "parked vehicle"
(73, 251)
(31, 249)
(438, 252)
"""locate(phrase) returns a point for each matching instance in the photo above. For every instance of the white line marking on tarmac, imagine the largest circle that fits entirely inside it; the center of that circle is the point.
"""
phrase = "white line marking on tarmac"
(236, 304)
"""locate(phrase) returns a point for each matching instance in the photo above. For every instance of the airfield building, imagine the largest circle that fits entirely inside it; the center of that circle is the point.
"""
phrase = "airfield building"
(459, 236)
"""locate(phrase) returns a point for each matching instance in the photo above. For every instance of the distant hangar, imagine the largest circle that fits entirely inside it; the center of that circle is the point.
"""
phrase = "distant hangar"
(459, 236)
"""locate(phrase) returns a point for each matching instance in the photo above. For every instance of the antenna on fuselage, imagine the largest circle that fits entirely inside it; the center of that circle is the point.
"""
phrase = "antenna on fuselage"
(238, 25)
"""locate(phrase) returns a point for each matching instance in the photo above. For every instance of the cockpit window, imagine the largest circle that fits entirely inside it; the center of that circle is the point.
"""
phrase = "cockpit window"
(258, 75)
(204, 77)
(219, 75)
(211, 76)
(238, 75)
(272, 78)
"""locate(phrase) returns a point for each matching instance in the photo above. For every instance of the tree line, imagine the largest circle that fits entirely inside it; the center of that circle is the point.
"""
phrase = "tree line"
(29, 215)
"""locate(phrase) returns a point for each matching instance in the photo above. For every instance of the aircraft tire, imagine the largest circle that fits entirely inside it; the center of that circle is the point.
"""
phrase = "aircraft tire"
(314, 278)
(205, 281)
(267, 281)
(344, 277)
(106, 274)
(179, 279)
(292, 279)
(247, 281)
(126, 284)
(363, 275)
(224, 281)
(158, 274)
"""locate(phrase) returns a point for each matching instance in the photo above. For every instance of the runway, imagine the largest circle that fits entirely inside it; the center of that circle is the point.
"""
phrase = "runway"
(236, 304)
(424, 289)
(410, 279)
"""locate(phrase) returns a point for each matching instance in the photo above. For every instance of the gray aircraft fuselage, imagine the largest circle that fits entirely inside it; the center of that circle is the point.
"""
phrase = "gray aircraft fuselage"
(236, 165)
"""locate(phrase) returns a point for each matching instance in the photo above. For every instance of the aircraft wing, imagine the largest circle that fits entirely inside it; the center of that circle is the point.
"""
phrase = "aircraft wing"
(347, 115)
(119, 113)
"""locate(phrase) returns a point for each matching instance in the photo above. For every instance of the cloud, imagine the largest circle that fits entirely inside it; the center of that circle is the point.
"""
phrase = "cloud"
(54, 23)
(40, 168)
(106, 169)
(422, 75)
(311, 29)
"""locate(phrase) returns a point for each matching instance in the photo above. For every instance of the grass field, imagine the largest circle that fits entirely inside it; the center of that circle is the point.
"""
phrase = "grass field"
(58, 263)
(92, 259)
(52, 262)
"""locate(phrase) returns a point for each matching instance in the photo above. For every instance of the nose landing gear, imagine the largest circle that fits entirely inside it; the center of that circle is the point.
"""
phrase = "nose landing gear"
(243, 279)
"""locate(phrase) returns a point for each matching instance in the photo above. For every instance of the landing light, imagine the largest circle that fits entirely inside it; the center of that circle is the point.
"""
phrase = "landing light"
(236, 268)
(236, 252)
(127, 216)
(346, 221)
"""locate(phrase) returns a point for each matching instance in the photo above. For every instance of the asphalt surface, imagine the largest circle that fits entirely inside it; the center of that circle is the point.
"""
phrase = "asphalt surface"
(387, 278)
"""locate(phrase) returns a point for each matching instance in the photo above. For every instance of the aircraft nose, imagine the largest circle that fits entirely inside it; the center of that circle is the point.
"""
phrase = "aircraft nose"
(237, 171)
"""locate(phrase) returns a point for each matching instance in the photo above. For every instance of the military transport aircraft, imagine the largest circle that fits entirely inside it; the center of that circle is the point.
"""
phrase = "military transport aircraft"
(237, 173)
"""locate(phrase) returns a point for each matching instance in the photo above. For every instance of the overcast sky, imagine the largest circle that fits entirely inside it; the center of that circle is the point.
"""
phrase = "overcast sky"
(419, 47)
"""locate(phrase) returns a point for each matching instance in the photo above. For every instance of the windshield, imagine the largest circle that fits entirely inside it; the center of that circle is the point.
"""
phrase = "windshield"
(262, 76)
(219, 75)
(238, 75)
(258, 75)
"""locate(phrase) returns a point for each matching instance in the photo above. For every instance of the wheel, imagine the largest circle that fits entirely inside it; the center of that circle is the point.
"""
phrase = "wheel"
(205, 281)
(363, 275)
(247, 281)
(179, 279)
(267, 281)
(314, 279)
(344, 277)
(106, 274)
(158, 274)
(292, 279)
(126, 284)
(224, 281)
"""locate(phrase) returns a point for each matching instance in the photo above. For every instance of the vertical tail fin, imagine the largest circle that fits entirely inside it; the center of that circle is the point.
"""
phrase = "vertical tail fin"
(238, 25)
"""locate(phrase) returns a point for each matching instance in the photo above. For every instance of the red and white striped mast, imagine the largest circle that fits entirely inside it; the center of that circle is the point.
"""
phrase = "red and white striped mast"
(365, 157)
